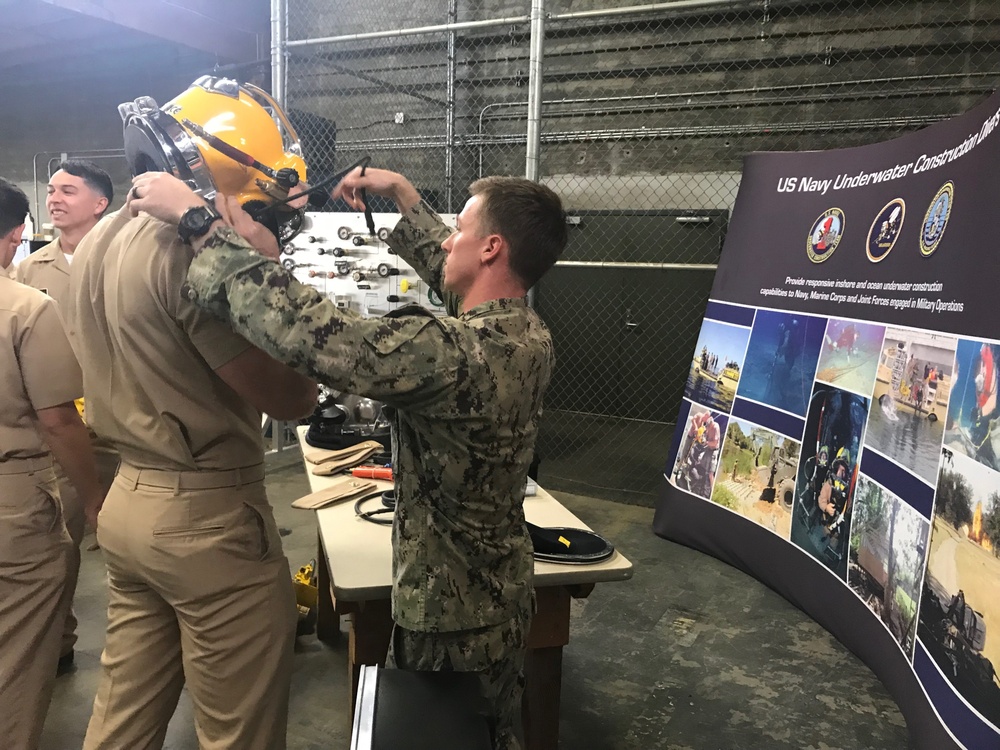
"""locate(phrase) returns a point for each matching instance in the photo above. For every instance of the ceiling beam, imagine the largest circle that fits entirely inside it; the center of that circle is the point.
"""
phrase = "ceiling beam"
(233, 30)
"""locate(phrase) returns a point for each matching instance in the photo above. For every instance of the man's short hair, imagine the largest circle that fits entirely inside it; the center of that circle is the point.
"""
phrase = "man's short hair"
(529, 216)
(96, 178)
(13, 206)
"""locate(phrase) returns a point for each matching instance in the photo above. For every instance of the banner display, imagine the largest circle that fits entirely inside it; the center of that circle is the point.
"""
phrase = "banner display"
(840, 432)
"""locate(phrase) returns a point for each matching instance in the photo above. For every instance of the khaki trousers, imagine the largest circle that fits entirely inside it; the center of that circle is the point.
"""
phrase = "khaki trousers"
(76, 523)
(34, 552)
(199, 592)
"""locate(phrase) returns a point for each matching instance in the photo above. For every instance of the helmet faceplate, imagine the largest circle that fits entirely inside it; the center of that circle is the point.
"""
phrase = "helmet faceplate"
(242, 116)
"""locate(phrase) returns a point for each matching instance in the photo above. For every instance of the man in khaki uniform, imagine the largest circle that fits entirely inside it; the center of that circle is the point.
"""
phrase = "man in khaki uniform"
(78, 195)
(39, 378)
(199, 586)
(466, 392)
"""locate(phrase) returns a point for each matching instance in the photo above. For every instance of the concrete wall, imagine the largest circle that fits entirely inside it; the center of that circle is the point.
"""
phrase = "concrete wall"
(75, 109)
(641, 95)
(632, 98)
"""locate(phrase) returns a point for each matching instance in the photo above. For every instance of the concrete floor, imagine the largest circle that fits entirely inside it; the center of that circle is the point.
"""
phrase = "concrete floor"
(688, 654)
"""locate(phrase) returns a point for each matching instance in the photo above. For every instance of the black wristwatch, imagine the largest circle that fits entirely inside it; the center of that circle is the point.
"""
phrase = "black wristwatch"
(196, 221)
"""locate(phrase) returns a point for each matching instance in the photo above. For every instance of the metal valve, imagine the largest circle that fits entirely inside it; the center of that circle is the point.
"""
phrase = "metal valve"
(287, 178)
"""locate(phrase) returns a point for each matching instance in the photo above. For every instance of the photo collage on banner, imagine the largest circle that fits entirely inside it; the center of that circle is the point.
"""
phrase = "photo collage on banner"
(781, 417)
(711, 384)
(961, 593)
(844, 393)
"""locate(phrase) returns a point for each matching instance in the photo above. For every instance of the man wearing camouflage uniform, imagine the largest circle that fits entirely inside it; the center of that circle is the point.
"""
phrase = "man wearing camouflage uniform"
(467, 396)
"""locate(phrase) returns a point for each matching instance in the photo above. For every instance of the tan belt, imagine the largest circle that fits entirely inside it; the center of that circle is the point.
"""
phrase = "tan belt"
(25, 465)
(347, 488)
(330, 462)
(206, 479)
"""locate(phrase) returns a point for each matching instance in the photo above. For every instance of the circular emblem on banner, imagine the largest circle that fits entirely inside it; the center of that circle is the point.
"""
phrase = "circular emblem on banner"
(936, 219)
(885, 230)
(825, 235)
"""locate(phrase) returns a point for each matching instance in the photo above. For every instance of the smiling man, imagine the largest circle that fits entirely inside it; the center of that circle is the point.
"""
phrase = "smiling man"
(466, 392)
(79, 193)
(78, 196)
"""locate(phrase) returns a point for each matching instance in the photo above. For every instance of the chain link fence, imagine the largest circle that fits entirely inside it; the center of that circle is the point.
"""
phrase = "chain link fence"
(645, 115)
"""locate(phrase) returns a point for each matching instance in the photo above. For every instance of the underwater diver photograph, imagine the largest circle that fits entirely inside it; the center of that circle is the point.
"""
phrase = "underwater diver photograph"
(828, 475)
(781, 360)
(849, 357)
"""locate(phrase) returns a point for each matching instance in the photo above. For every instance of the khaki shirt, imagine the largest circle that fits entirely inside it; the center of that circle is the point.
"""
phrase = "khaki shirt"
(37, 367)
(466, 392)
(148, 354)
(46, 269)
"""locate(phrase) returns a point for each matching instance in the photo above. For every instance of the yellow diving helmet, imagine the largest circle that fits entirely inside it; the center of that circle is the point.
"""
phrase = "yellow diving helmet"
(221, 136)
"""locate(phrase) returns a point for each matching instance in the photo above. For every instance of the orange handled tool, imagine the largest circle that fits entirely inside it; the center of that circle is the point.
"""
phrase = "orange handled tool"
(373, 472)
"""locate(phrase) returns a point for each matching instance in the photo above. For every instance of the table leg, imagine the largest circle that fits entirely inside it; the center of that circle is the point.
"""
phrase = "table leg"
(543, 668)
(371, 628)
(543, 687)
(327, 617)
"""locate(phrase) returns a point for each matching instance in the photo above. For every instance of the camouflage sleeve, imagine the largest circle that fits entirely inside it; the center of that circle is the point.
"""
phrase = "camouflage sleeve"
(409, 360)
(417, 239)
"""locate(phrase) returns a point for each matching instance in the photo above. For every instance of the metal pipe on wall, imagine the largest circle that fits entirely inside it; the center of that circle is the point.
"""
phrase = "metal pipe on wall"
(449, 121)
(885, 81)
(684, 95)
(636, 134)
(278, 33)
(508, 21)
(651, 8)
(488, 23)
(535, 55)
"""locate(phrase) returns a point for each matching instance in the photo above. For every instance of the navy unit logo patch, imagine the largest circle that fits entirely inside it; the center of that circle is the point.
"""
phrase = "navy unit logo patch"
(885, 230)
(936, 219)
(825, 235)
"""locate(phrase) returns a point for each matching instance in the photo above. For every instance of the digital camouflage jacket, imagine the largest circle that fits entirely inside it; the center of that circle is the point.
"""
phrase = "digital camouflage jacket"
(466, 396)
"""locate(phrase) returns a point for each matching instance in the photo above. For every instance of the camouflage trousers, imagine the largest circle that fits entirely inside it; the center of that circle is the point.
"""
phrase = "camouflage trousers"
(495, 653)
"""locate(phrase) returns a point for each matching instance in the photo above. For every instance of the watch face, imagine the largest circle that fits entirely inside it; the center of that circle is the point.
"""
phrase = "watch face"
(195, 222)
(199, 219)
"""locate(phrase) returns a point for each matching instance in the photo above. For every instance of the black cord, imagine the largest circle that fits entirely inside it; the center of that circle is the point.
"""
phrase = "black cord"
(369, 219)
(321, 185)
(372, 516)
